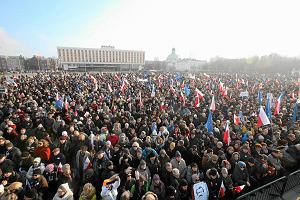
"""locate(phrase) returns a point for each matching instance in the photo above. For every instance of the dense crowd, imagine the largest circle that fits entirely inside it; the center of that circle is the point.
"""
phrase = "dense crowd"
(145, 135)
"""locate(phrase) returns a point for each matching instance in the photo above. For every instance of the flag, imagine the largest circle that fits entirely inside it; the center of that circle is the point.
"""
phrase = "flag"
(172, 87)
(221, 86)
(58, 102)
(295, 112)
(163, 106)
(206, 76)
(66, 104)
(238, 189)
(262, 118)
(197, 101)
(236, 120)
(226, 136)
(153, 91)
(225, 92)
(140, 99)
(209, 123)
(241, 117)
(268, 107)
(213, 104)
(187, 90)
(260, 97)
(199, 93)
(59, 168)
(222, 191)
(92, 140)
(182, 97)
(277, 107)
(109, 88)
(182, 84)
(87, 164)
(123, 87)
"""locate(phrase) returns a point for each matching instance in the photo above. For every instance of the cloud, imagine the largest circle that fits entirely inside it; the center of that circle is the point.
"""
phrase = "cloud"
(10, 46)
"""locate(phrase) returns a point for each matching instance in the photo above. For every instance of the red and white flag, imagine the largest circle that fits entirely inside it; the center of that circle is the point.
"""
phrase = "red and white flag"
(163, 106)
(66, 103)
(222, 191)
(87, 164)
(182, 98)
(225, 92)
(277, 107)
(93, 79)
(109, 88)
(123, 87)
(238, 189)
(59, 168)
(213, 104)
(236, 120)
(172, 87)
(140, 99)
(199, 93)
(197, 101)
(206, 76)
(262, 118)
(221, 86)
(226, 136)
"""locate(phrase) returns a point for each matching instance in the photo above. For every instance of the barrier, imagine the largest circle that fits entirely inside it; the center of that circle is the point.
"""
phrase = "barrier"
(273, 189)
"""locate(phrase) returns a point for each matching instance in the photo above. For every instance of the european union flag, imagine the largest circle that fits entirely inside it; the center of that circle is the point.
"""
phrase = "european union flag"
(209, 123)
(268, 108)
(295, 112)
(260, 97)
(187, 90)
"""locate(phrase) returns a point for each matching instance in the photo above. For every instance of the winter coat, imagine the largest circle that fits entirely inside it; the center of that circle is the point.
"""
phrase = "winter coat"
(181, 166)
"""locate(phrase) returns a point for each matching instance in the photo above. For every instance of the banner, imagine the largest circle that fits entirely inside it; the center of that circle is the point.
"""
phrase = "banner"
(200, 191)
(244, 94)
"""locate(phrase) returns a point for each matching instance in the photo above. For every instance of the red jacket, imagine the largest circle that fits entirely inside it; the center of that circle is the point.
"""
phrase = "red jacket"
(43, 152)
(113, 139)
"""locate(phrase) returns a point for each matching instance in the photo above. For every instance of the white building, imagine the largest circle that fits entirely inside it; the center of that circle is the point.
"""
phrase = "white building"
(15, 62)
(105, 57)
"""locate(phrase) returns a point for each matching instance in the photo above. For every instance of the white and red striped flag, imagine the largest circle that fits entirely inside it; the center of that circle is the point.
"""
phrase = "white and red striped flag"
(59, 168)
(66, 103)
(236, 120)
(199, 93)
(109, 88)
(238, 189)
(123, 87)
(226, 136)
(277, 107)
(140, 99)
(87, 164)
(222, 191)
(262, 118)
(213, 104)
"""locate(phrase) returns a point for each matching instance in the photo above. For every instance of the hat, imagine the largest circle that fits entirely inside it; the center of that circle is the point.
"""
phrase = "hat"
(170, 191)
(37, 159)
(183, 182)
(241, 164)
(66, 168)
(64, 133)
(176, 171)
(49, 168)
(108, 142)
(177, 154)
(156, 177)
(151, 154)
(8, 169)
(37, 171)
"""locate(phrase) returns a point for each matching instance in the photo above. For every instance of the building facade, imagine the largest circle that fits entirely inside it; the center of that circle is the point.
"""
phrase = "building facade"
(39, 63)
(15, 63)
(106, 57)
(3, 63)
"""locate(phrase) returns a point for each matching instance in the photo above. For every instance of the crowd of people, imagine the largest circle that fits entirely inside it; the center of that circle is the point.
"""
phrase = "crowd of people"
(147, 135)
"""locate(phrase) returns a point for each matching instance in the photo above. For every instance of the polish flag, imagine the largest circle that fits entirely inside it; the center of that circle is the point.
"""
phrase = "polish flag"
(225, 92)
(116, 77)
(236, 120)
(213, 104)
(199, 93)
(163, 106)
(182, 98)
(222, 191)
(123, 87)
(238, 189)
(262, 118)
(87, 164)
(277, 107)
(140, 99)
(93, 79)
(226, 137)
(172, 88)
(197, 102)
(109, 88)
(221, 86)
(59, 168)
(66, 104)
(206, 76)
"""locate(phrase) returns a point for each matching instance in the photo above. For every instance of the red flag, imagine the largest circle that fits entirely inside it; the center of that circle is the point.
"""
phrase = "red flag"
(277, 108)
(182, 98)
(221, 87)
(140, 99)
(238, 189)
(66, 104)
(199, 93)
(222, 191)
(262, 118)
(236, 120)
(197, 102)
(87, 164)
(226, 137)
(109, 88)
(93, 79)
(206, 76)
(224, 92)
(172, 88)
(163, 106)
(182, 85)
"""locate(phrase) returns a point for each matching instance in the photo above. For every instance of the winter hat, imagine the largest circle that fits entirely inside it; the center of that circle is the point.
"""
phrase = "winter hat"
(176, 171)
(30, 194)
(37, 159)
(49, 168)
(8, 169)
(241, 164)
(64, 133)
(183, 182)
(66, 168)
(170, 191)
(151, 154)
(108, 142)
(177, 154)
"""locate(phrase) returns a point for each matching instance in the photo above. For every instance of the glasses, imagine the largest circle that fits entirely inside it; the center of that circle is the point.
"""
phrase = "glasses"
(134, 146)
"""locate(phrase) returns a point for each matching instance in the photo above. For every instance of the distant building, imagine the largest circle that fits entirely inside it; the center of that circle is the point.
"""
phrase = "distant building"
(3, 63)
(15, 63)
(38, 63)
(174, 63)
(106, 57)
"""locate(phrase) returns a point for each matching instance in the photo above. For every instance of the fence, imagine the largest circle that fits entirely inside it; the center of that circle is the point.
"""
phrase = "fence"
(273, 189)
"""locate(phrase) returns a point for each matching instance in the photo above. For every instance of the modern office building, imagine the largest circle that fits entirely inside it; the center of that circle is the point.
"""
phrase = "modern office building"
(106, 57)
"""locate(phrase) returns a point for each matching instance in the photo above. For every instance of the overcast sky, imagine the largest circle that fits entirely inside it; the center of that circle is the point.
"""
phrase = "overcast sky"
(200, 29)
